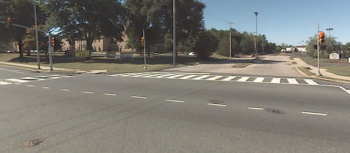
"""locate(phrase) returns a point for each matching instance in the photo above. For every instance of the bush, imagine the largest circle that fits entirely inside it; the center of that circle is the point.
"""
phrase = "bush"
(205, 45)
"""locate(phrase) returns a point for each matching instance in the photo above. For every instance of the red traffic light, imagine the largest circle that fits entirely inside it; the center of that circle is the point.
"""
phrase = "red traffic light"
(322, 34)
(8, 22)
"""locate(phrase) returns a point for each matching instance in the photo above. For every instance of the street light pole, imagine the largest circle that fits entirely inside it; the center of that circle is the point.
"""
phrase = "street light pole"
(230, 40)
(36, 36)
(256, 32)
(174, 33)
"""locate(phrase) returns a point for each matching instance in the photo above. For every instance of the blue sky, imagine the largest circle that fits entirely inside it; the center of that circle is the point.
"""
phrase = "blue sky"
(282, 21)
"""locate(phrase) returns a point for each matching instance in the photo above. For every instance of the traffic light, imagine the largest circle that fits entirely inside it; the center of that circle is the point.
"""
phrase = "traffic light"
(52, 41)
(321, 37)
(8, 22)
(142, 41)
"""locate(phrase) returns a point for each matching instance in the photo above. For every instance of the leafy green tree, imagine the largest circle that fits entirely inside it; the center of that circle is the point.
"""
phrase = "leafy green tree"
(205, 45)
(87, 19)
(21, 12)
(29, 41)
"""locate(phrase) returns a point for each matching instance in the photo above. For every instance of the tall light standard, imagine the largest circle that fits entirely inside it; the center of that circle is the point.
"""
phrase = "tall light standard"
(256, 32)
(329, 31)
(36, 36)
(174, 33)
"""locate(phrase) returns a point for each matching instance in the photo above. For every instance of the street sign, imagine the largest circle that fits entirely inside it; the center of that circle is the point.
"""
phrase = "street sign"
(334, 56)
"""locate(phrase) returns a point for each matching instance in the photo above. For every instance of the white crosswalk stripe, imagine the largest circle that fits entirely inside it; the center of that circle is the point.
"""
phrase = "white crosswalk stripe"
(4, 83)
(175, 76)
(214, 78)
(243, 79)
(310, 82)
(229, 78)
(276, 80)
(201, 77)
(17, 80)
(165, 75)
(259, 79)
(188, 77)
(292, 81)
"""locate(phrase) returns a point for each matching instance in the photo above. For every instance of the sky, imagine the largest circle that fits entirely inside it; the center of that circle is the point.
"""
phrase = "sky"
(282, 21)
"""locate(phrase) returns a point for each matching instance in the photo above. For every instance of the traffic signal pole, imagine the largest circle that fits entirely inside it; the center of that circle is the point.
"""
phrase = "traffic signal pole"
(50, 51)
(318, 50)
(36, 38)
(144, 48)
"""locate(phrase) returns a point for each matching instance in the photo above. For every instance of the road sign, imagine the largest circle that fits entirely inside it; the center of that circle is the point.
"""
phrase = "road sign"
(334, 56)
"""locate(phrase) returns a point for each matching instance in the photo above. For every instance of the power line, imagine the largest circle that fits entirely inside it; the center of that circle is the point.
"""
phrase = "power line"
(216, 17)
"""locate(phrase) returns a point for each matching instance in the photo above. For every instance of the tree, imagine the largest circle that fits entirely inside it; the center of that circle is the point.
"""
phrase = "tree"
(87, 19)
(21, 12)
(29, 41)
(205, 45)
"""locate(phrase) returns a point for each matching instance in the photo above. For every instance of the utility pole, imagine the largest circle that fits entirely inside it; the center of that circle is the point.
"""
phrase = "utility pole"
(256, 32)
(230, 40)
(50, 51)
(36, 37)
(174, 33)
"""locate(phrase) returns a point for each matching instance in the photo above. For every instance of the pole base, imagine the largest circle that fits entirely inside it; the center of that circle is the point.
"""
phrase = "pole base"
(319, 74)
(145, 67)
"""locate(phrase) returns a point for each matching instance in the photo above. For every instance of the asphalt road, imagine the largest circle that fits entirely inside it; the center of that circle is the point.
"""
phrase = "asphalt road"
(87, 113)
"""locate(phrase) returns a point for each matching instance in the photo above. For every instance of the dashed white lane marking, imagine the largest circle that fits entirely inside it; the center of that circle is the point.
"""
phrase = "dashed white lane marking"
(175, 101)
(220, 105)
(175, 76)
(201, 77)
(65, 89)
(315, 113)
(214, 78)
(292, 81)
(259, 79)
(45, 87)
(276, 80)
(187, 77)
(4, 83)
(255, 108)
(17, 80)
(32, 86)
(243, 79)
(310, 82)
(139, 97)
(87, 92)
(229, 78)
(109, 94)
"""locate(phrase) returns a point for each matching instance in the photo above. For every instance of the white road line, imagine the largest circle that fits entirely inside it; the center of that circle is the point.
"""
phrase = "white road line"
(175, 76)
(255, 108)
(4, 83)
(188, 77)
(276, 80)
(243, 79)
(214, 78)
(342, 88)
(166, 75)
(31, 86)
(17, 80)
(201, 77)
(138, 97)
(292, 81)
(67, 76)
(310, 82)
(220, 105)
(87, 92)
(175, 101)
(65, 89)
(45, 87)
(109, 94)
(151, 75)
(259, 79)
(314, 113)
(229, 78)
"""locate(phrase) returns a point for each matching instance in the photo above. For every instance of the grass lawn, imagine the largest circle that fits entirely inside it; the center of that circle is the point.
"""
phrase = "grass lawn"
(306, 71)
(100, 63)
(241, 65)
(339, 67)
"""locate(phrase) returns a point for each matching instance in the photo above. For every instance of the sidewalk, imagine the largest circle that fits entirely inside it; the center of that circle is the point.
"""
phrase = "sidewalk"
(324, 72)
(35, 67)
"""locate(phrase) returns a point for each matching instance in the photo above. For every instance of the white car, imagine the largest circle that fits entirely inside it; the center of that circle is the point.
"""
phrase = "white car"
(192, 54)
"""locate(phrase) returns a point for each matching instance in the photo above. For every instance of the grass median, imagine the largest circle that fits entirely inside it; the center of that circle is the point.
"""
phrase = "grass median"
(339, 67)
(154, 63)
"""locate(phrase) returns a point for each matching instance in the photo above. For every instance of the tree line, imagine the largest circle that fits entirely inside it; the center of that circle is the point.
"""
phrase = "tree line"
(90, 19)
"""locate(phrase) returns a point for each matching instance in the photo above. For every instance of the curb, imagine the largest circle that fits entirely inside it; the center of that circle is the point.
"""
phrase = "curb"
(35, 70)
(317, 77)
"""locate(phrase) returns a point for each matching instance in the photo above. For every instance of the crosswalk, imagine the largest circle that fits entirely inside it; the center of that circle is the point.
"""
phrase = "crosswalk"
(189, 76)
(31, 79)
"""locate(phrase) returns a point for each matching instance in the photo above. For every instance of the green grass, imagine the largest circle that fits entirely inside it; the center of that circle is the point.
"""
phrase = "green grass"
(339, 67)
(241, 65)
(306, 71)
(100, 63)
(294, 62)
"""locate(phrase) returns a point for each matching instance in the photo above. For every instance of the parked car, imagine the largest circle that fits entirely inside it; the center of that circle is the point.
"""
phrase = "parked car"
(192, 54)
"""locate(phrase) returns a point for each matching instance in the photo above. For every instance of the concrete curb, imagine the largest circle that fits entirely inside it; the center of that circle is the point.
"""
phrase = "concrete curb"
(317, 77)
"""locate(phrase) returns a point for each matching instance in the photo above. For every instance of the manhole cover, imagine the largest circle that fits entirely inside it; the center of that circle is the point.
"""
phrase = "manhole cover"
(275, 111)
(216, 102)
(33, 142)
(43, 77)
